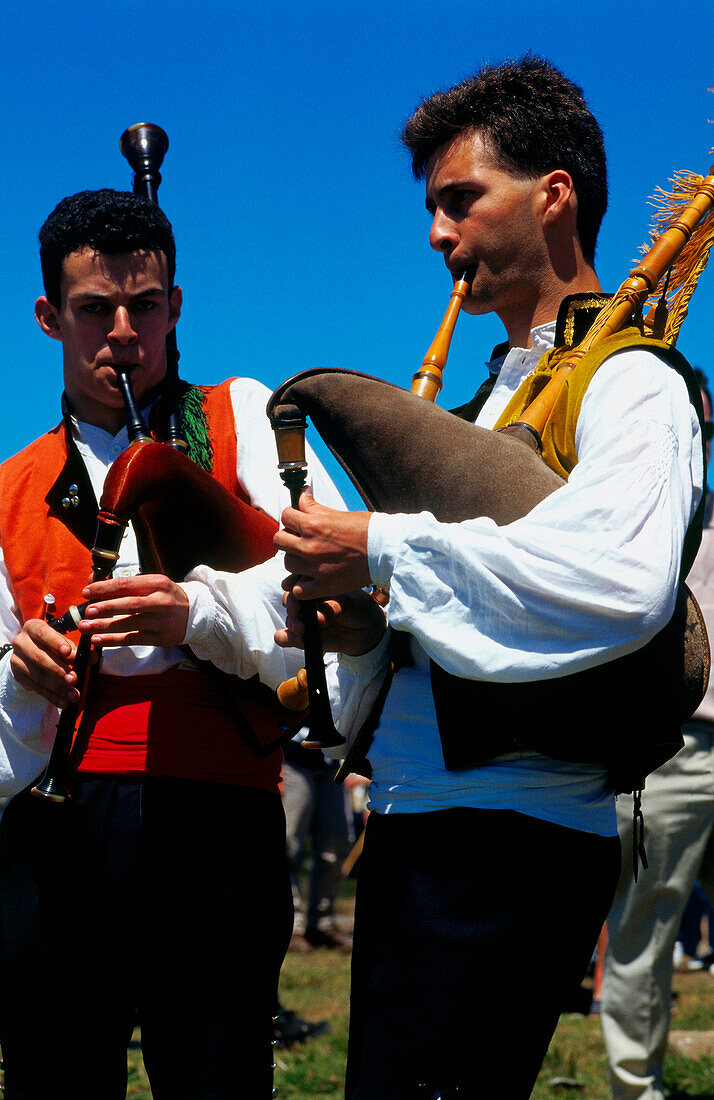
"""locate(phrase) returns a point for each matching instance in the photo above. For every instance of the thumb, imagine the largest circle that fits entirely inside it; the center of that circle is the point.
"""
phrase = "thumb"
(307, 500)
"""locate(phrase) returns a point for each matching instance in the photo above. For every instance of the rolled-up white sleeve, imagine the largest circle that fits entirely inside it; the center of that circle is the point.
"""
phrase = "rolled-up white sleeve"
(354, 684)
(27, 721)
(588, 574)
(233, 618)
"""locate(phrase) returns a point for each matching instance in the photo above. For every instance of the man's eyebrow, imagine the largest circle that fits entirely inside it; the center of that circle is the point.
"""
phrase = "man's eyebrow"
(450, 185)
(97, 296)
(149, 290)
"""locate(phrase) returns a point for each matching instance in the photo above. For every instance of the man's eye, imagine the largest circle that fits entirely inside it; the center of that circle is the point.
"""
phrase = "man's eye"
(461, 197)
(144, 306)
(92, 307)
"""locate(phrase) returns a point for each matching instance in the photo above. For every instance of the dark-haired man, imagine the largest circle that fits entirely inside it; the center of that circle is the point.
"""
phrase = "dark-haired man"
(161, 890)
(484, 883)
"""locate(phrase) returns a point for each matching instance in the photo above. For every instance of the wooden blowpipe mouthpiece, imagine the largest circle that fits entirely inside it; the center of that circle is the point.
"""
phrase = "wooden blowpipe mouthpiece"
(427, 381)
(136, 428)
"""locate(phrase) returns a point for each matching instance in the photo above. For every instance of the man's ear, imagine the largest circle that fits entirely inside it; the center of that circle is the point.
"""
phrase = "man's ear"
(47, 317)
(175, 303)
(558, 196)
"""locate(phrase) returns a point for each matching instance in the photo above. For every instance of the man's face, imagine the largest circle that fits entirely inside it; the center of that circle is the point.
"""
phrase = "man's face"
(115, 311)
(486, 218)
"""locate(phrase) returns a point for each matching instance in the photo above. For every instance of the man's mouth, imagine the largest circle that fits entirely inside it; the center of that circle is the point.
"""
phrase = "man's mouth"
(125, 368)
(463, 271)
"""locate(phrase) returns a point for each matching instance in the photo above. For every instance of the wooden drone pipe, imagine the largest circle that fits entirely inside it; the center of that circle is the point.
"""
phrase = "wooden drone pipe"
(629, 298)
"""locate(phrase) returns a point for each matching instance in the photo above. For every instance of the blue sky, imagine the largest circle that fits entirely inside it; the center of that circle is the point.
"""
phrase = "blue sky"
(302, 239)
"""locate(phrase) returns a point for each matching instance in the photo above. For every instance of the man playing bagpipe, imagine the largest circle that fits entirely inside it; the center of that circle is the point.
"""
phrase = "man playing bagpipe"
(159, 891)
(491, 852)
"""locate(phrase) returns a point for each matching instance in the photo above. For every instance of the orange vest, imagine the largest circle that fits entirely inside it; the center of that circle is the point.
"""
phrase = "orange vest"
(47, 541)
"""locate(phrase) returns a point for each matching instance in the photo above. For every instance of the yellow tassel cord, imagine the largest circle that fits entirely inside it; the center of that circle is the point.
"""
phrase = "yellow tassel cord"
(691, 261)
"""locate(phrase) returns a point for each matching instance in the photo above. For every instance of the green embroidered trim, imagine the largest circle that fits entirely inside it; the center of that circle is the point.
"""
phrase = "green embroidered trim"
(194, 426)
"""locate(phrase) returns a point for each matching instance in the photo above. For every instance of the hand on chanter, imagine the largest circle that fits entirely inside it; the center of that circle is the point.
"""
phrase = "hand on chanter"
(145, 610)
(352, 624)
(41, 662)
(325, 549)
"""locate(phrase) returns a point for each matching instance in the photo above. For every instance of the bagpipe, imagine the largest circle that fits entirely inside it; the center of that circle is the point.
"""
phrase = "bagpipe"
(404, 454)
(182, 517)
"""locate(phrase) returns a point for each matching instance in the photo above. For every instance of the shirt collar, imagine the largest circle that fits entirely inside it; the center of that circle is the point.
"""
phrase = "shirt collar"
(542, 340)
(97, 440)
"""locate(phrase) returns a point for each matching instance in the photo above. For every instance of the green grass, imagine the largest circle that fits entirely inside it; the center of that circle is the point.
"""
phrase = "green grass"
(317, 986)
(577, 1051)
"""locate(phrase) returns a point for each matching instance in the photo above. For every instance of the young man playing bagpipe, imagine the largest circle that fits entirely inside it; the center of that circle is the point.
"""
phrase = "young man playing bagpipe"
(491, 852)
(159, 891)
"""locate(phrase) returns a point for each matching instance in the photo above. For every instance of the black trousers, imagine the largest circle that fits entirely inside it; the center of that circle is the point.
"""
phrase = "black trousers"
(165, 899)
(471, 928)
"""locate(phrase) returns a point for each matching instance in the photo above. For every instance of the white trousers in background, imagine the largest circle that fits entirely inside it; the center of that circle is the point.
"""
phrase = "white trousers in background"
(678, 806)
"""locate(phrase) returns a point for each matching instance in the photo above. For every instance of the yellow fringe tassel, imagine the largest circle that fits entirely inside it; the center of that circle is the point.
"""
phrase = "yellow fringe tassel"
(692, 259)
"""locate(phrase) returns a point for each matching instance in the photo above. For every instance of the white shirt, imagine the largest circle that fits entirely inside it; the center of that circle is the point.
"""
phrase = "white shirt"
(587, 575)
(27, 722)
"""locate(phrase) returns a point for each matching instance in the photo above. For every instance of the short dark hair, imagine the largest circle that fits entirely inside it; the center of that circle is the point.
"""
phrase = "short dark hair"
(533, 118)
(107, 221)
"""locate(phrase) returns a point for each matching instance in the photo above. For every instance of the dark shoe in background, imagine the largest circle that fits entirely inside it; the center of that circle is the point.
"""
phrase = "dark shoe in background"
(289, 1028)
(331, 938)
(299, 944)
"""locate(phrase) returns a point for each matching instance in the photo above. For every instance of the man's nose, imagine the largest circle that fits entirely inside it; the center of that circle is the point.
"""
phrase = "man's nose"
(442, 236)
(122, 332)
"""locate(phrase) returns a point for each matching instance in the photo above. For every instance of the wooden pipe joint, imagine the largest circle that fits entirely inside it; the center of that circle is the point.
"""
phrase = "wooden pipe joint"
(293, 693)
(289, 425)
(633, 287)
(426, 384)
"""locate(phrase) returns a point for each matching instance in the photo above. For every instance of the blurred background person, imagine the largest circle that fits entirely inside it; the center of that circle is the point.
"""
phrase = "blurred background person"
(643, 924)
(320, 835)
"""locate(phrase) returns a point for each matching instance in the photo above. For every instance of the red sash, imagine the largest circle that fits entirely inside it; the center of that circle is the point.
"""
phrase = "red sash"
(172, 724)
